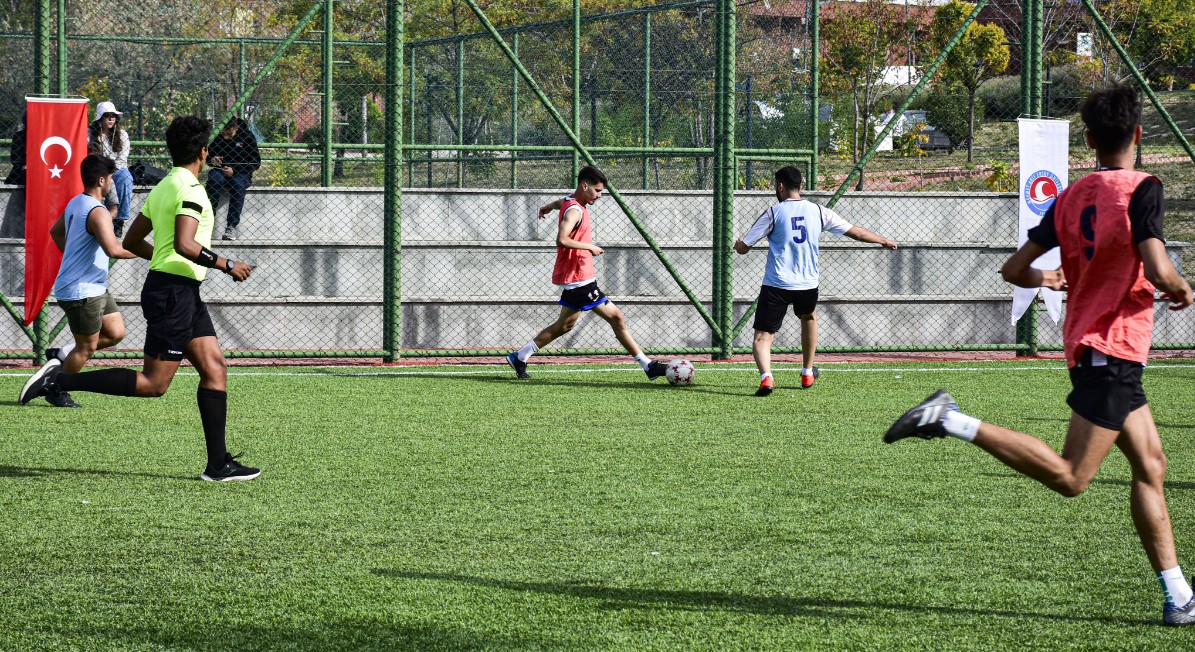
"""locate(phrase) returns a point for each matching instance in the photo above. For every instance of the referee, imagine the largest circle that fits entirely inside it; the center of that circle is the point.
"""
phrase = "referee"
(179, 214)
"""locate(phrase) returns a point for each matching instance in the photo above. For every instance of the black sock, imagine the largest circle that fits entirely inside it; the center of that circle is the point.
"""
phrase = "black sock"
(213, 412)
(114, 382)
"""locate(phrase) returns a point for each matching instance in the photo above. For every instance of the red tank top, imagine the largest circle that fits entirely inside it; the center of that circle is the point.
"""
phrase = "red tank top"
(1110, 303)
(574, 265)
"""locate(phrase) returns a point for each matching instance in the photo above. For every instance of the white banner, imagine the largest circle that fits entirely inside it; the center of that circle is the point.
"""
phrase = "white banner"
(1044, 159)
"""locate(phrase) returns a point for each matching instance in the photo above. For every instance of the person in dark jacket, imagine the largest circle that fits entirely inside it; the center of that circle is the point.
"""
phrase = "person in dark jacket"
(233, 157)
(17, 176)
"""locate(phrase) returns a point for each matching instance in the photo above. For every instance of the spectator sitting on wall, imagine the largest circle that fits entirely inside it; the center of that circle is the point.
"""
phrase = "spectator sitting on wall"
(105, 137)
(233, 157)
(17, 176)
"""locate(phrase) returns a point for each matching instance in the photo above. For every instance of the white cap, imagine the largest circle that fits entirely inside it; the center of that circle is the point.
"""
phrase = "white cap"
(104, 108)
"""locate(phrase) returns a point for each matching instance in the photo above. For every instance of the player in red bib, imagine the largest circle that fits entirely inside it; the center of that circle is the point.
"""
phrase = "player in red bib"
(1109, 228)
(576, 277)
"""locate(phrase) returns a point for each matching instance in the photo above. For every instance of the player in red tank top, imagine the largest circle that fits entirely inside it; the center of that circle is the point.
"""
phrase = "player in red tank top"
(576, 276)
(1109, 227)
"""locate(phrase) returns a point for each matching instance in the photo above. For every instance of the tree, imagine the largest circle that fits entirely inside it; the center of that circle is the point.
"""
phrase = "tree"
(861, 41)
(977, 57)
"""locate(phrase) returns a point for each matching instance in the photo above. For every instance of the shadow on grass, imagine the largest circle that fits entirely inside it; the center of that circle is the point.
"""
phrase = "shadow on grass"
(200, 634)
(38, 471)
(542, 381)
(623, 598)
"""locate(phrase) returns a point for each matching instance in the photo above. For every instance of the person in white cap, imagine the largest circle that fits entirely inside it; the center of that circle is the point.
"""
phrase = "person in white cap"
(105, 137)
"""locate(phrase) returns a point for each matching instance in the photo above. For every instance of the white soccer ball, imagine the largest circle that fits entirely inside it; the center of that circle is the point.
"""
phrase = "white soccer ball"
(680, 372)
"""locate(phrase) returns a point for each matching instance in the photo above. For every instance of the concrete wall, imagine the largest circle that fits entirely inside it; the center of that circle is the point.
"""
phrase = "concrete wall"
(477, 263)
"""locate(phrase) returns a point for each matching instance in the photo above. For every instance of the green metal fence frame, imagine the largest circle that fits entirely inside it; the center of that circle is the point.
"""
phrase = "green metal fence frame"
(724, 154)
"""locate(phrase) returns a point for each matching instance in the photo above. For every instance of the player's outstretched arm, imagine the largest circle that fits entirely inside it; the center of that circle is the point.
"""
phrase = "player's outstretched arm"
(134, 237)
(548, 208)
(1161, 272)
(741, 247)
(99, 222)
(1019, 269)
(863, 235)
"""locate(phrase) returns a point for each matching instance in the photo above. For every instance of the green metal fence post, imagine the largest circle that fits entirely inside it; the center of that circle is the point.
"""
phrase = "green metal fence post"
(411, 127)
(815, 53)
(242, 69)
(514, 116)
(646, 96)
(392, 201)
(63, 77)
(576, 83)
(460, 112)
(326, 49)
(726, 179)
(716, 252)
(1031, 10)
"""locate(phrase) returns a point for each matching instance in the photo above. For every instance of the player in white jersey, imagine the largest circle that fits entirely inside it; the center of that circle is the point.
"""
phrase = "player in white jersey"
(793, 229)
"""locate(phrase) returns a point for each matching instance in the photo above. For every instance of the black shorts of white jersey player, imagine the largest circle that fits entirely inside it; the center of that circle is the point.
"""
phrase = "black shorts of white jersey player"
(174, 315)
(586, 297)
(774, 302)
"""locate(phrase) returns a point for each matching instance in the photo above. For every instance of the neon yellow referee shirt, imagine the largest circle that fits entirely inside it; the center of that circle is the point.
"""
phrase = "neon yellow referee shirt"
(180, 193)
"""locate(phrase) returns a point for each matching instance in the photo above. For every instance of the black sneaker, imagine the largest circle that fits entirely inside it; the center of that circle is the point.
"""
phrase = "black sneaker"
(59, 398)
(925, 420)
(52, 353)
(232, 471)
(42, 382)
(656, 370)
(118, 228)
(518, 365)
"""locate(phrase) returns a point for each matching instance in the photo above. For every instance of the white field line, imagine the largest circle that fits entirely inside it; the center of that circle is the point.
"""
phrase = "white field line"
(501, 370)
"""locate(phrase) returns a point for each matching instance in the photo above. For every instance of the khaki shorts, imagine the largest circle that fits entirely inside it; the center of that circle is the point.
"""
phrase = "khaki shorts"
(85, 316)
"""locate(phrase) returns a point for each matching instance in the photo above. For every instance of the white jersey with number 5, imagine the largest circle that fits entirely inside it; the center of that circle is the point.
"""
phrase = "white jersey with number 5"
(794, 229)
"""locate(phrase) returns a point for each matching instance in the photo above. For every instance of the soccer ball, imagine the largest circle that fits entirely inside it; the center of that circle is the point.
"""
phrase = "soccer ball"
(680, 372)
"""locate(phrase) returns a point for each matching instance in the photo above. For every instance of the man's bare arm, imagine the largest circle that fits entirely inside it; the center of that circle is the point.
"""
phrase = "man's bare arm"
(1161, 272)
(1019, 269)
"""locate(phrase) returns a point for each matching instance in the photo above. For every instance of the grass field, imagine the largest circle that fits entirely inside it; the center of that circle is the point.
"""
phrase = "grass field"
(454, 508)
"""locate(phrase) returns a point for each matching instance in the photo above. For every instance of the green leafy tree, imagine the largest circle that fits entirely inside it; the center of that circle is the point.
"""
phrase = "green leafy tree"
(980, 55)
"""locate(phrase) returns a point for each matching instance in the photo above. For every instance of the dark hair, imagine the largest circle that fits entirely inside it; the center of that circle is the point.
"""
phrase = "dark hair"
(592, 176)
(790, 176)
(186, 137)
(93, 167)
(115, 140)
(1112, 116)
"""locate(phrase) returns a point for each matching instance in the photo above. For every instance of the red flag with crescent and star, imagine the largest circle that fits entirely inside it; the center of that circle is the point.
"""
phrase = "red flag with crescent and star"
(56, 137)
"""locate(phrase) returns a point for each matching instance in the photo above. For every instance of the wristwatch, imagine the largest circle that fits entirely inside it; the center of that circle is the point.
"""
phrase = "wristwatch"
(228, 263)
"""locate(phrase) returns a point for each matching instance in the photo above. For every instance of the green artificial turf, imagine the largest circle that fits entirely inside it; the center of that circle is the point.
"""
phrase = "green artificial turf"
(455, 508)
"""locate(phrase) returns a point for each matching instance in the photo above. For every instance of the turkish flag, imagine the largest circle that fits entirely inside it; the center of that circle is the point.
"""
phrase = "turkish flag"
(56, 144)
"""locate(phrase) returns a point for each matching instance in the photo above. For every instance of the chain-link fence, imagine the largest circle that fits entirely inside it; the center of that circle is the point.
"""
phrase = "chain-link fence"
(493, 129)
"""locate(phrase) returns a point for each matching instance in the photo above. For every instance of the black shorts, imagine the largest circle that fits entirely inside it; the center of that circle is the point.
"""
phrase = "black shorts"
(773, 302)
(174, 315)
(586, 297)
(1106, 394)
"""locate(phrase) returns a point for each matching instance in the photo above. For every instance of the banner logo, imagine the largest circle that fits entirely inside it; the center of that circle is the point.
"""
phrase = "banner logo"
(56, 172)
(1041, 189)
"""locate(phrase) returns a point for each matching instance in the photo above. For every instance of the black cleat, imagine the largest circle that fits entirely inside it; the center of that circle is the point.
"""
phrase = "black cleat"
(518, 365)
(42, 382)
(656, 370)
(232, 471)
(925, 420)
(52, 353)
(59, 398)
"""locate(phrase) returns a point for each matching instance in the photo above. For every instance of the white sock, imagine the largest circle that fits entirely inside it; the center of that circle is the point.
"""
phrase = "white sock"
(1175, 586)
(66, 350)
(529, 349)
(960, 425)
(643, 360)
(806, 371)
(763, 377)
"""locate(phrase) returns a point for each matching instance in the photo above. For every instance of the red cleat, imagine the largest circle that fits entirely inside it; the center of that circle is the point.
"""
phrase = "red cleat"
(807, 379)
(765, 386)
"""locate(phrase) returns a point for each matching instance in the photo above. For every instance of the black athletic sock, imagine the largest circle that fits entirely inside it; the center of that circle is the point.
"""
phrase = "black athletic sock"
(213, 412)
(114, 382)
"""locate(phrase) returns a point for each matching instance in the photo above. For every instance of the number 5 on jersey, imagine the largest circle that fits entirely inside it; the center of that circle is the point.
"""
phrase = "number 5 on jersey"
(802, 234)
